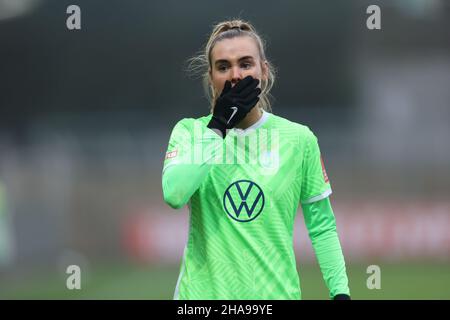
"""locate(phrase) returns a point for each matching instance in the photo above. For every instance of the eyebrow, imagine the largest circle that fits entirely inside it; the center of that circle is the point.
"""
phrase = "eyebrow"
(240, 59)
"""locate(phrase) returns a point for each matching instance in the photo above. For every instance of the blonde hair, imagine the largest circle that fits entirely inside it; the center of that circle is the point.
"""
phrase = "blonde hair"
(201, 64)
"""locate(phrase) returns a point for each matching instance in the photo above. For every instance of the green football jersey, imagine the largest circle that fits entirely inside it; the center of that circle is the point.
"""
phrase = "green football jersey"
(243, 193)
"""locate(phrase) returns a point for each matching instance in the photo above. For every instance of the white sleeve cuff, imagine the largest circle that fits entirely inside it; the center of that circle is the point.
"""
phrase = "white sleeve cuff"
(321, 196)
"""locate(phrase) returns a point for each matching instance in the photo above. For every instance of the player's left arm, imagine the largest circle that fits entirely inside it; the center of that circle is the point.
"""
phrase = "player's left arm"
(320, 220)
(321, 224)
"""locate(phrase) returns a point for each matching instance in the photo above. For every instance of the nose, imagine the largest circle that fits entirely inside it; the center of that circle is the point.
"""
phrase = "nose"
(236, 75)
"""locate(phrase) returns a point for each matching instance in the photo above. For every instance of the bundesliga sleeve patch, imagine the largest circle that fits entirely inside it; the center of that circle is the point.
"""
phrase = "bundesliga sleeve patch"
(171, 154)
(325, 176)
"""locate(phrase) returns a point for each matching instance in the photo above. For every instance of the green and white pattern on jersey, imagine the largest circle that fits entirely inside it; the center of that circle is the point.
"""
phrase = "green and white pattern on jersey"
(240, 243)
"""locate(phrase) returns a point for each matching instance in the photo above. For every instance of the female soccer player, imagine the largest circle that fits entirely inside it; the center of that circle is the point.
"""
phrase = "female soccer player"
(243, 171)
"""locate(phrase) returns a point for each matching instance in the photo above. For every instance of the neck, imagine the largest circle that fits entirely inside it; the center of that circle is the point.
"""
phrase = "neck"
(251, 118)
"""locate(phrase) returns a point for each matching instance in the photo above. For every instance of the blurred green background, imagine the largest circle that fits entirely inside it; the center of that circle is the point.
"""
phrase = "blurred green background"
(85, 118)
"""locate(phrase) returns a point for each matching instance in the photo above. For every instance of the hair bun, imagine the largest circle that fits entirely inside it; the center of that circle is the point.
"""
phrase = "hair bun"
(234, 24)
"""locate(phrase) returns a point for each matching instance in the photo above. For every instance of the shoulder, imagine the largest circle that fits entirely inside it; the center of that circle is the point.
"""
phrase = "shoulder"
(189, 123)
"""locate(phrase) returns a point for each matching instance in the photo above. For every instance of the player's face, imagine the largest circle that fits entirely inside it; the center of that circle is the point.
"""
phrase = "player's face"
(233, 60)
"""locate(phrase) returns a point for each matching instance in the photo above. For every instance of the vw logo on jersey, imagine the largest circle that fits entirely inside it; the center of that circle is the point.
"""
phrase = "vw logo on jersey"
(243, 200)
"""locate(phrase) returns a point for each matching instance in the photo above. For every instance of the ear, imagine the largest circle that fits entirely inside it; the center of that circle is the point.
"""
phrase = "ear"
(210, 77)
(265, 70)
(210, 83)
(210, 73)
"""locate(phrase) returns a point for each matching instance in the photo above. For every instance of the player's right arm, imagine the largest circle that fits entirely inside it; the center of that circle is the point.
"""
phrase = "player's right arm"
(185, 166)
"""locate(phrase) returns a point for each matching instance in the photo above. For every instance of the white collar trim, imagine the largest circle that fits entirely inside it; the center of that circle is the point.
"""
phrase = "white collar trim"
(254, 126)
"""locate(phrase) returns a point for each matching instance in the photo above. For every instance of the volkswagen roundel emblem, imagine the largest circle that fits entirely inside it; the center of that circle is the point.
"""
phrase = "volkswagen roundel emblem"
(243, 200)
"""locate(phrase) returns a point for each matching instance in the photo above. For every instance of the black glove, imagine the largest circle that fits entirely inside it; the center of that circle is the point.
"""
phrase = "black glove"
(341, 296)
(234, 104)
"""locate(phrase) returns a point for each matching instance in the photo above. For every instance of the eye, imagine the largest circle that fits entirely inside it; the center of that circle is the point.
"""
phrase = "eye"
(246, 65)
(222, 68)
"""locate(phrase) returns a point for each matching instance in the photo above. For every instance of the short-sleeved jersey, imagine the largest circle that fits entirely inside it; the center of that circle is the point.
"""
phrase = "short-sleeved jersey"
(240, 242)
